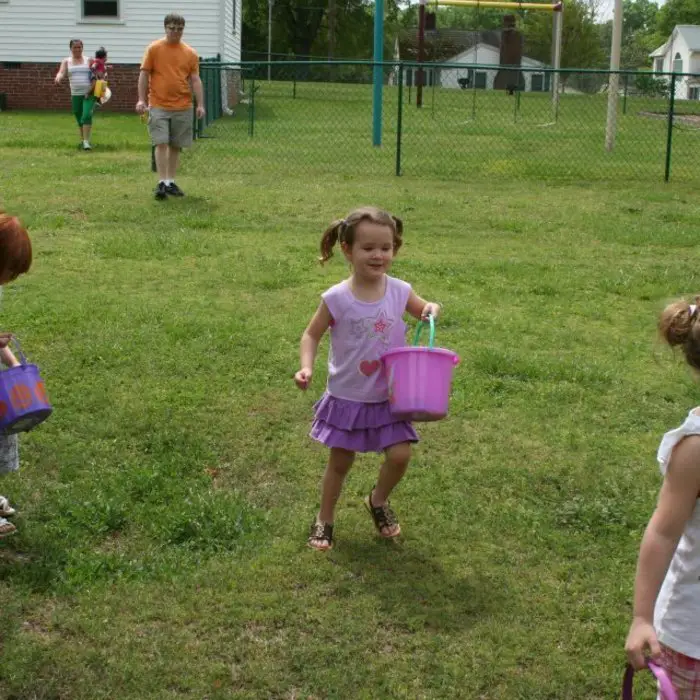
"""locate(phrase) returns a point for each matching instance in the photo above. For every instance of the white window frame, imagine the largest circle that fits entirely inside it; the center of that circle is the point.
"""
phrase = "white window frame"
(677, 61)
(659, 64)
(118, 19)
(694, 92)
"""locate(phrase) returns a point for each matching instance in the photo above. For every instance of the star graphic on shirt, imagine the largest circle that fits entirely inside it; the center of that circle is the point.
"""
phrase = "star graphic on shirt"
(379, 327)
(358, 328)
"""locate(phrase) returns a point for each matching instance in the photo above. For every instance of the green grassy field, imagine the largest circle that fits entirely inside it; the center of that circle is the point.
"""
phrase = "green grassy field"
(458, 134)
(165, 504)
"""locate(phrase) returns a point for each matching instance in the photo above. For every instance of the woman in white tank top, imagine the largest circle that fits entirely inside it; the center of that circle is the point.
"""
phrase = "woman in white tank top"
(666, 618)
(77, 68)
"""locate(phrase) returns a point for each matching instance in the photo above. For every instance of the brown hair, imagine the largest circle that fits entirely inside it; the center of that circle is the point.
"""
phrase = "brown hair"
(174, 18)
(74, 41)
(343, 230)
(15, 247)
(679, 324)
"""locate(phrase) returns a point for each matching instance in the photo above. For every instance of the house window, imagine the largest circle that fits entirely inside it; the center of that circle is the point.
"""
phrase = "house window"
(694, 93)
(101, 8)
(480, 79)
(678, 64)
(659, 65)
(540, 82)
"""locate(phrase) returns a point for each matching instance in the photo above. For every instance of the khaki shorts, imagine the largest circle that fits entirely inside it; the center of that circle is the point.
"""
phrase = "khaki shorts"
(171, 127)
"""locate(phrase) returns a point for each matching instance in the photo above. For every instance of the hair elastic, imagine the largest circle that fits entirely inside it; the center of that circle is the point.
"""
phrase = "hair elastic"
(692, 308)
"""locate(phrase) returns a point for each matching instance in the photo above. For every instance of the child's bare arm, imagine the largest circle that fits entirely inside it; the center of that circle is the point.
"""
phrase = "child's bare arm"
(677, 500)
(310, 340)
(420, 308)
(7, 357)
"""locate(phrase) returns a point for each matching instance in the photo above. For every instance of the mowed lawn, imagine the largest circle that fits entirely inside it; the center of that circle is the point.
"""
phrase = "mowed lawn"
(165, 504)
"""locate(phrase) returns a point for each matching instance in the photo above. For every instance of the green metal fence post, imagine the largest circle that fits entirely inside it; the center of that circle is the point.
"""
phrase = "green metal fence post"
(398, 122)
(669, 130)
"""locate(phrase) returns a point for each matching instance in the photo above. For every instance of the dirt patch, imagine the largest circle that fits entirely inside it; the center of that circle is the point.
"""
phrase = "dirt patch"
(689, 119)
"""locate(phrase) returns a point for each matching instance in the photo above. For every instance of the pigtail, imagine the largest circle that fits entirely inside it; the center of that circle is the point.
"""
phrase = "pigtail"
(398, 237)
(329, 239)
(679, 325)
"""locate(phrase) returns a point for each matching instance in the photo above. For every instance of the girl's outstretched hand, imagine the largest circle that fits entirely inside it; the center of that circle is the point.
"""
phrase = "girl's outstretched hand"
(430, 309)
(5, 339)
(303, 378)
(641, 638)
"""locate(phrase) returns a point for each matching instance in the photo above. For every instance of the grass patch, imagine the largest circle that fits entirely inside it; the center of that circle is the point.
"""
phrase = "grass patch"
(164, 505)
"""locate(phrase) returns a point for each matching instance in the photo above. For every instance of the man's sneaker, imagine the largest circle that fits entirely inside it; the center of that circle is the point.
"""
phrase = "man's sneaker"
(87, 147)
(161, 191)
(174, 190)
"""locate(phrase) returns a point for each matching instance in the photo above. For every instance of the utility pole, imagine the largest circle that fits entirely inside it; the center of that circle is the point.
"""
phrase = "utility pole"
(614, 81)
(270, 3)
(331, 28)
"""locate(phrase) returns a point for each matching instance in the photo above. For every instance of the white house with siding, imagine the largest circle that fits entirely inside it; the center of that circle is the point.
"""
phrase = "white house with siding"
(681, 54)
(482, 78)
(38, 31)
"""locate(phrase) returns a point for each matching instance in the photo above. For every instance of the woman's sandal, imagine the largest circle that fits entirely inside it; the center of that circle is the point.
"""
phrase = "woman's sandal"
(6, 528)
(320, 536)
(6, 510)
(383, 517)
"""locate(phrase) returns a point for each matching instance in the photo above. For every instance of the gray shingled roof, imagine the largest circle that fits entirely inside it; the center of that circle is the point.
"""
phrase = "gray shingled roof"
(444, 44)
(690, 34)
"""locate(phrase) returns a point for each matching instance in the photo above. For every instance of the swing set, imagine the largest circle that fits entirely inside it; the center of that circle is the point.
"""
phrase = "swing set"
(556, 8)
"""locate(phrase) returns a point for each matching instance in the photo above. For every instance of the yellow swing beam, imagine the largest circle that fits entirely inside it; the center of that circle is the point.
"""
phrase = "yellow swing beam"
(552, 7)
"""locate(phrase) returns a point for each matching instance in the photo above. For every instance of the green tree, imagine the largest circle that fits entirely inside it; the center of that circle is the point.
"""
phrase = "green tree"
(580, 36)
(638, 33)
(675, 12)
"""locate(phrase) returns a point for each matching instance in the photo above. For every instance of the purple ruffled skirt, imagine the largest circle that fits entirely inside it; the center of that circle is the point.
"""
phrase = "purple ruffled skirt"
(357, 426)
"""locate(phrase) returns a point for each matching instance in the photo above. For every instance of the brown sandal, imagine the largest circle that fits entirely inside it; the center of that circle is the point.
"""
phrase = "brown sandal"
(383, 517)
(320, 536)
(6, 528)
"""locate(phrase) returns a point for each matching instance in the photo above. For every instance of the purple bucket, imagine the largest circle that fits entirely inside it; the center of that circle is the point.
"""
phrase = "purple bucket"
(23, 400)
(419, 378)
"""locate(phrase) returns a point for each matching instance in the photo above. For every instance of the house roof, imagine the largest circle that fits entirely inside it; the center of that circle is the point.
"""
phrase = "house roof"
(526, 61)
(690, 34)
(443, 44)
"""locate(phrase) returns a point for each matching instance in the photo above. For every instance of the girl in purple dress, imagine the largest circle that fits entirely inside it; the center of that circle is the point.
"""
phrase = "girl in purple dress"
(365, 316)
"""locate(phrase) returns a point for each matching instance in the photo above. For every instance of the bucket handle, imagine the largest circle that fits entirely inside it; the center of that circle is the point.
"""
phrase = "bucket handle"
(17, 348)
(667, 690)
(419, 328)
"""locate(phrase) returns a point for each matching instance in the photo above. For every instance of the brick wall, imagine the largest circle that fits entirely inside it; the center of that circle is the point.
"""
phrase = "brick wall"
(31, 86)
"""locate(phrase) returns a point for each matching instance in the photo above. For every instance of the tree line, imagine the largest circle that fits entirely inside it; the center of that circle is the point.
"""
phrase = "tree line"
(343, 29)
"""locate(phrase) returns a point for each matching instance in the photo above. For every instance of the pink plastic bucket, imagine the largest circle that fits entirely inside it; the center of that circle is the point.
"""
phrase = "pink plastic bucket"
(419, 379)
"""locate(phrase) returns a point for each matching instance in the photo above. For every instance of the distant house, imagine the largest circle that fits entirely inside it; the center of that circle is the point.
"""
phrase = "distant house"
(34, 38)
(468, 48)
(681, 54)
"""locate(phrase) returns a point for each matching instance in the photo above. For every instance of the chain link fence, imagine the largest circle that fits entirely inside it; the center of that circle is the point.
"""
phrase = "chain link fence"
(448, 121)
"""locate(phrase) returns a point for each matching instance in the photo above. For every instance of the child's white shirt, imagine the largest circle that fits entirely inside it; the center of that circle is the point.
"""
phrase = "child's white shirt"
(677, 610)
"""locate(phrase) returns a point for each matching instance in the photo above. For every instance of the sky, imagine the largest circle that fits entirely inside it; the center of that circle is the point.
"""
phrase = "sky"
(607, 7)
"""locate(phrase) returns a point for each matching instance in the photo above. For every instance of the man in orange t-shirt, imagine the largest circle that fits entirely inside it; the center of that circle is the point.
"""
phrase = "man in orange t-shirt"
(169, 75)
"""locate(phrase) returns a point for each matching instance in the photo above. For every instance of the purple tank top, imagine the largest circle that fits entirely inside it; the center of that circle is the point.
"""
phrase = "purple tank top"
(360, 333)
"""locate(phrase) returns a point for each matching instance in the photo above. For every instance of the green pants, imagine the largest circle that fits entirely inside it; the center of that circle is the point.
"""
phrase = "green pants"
(82, 109)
